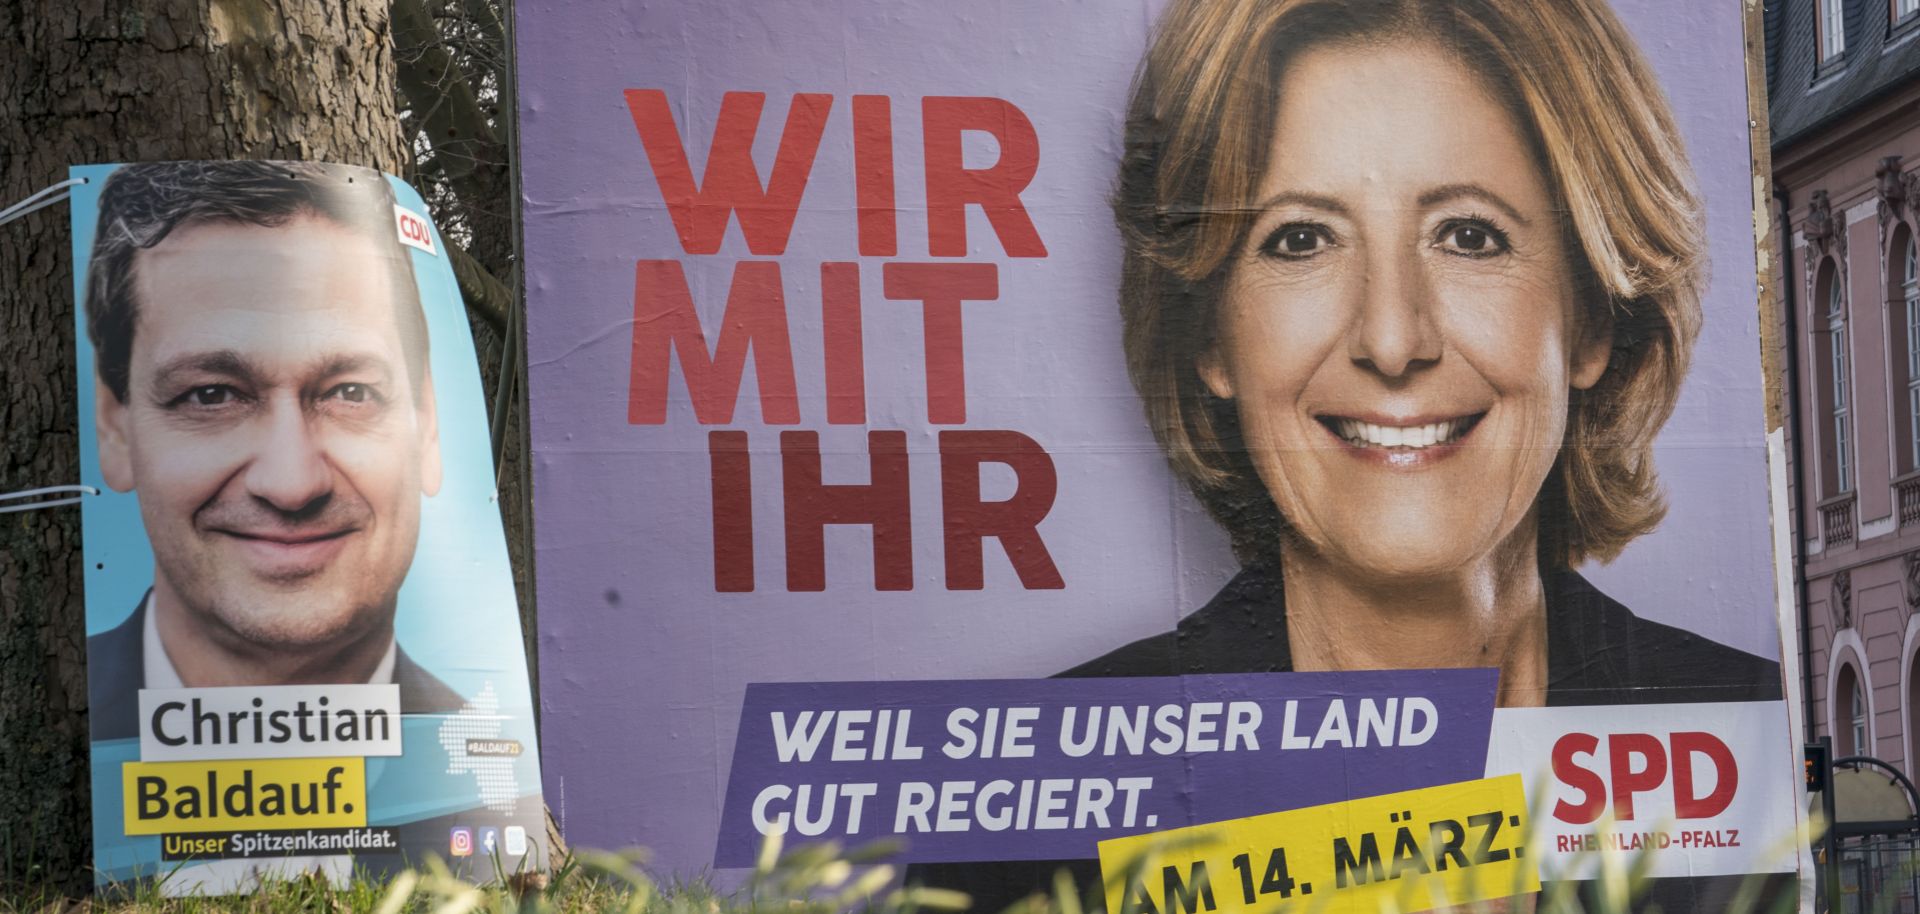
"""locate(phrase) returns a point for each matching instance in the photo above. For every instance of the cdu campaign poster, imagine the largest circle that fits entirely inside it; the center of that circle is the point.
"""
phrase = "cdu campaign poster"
(1024, 429)
(303, 645)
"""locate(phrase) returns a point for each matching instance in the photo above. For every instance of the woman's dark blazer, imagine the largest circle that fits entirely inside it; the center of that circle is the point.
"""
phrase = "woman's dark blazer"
(1598, 653)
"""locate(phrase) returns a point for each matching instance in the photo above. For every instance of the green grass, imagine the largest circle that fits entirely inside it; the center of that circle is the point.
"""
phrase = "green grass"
(816, 879)
(813, 879)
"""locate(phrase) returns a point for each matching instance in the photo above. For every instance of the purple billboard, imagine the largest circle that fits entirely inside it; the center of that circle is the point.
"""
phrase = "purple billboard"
(879, 343)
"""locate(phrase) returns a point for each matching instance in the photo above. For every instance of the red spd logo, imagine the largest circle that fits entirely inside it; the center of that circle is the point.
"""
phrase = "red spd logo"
(1630, 764)
(413, 230)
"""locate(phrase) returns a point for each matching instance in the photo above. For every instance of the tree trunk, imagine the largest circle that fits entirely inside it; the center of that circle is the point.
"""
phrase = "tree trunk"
(86, 82)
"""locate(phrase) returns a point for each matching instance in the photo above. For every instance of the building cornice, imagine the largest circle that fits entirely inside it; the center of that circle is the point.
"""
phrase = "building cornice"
(1844, 136)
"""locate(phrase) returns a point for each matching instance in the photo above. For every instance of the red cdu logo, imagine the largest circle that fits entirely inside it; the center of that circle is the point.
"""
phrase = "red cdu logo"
(413, 230)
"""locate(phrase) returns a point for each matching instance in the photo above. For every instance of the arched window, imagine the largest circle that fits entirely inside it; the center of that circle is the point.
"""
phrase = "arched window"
(1908, 288)
(1850, 715)
(1912, 282)
(1842, 366)
(1913, 714)
(1835, 364)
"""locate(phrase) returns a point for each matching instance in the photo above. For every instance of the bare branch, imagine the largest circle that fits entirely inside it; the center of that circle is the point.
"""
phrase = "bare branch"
(451, 115)
(487, 296)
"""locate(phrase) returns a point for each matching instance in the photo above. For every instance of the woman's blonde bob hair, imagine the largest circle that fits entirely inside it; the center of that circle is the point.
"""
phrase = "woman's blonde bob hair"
(1198, 130)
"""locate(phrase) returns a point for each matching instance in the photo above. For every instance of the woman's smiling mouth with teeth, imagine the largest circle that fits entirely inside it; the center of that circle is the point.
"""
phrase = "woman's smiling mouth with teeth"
(1412, 437)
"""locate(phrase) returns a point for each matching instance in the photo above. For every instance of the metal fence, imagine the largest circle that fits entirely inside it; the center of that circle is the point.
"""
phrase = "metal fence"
(1880, 874)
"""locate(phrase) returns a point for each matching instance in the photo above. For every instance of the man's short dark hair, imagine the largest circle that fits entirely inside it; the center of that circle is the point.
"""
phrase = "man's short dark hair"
(141, 204)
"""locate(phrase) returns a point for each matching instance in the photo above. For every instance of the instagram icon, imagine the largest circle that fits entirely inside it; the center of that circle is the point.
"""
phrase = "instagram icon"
(461, 842)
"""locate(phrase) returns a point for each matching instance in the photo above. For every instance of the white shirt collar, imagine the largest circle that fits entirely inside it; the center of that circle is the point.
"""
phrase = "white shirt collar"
(160, 673)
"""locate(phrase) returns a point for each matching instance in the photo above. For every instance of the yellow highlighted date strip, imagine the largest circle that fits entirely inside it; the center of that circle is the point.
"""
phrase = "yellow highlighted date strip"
(162, 797)
(1453, 844)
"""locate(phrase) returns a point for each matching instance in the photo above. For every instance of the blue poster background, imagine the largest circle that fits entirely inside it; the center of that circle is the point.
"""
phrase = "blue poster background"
(457, 615)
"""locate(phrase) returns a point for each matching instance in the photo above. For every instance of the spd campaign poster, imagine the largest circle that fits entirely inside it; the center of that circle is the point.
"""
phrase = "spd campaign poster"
(1027, 429)
(303, 647)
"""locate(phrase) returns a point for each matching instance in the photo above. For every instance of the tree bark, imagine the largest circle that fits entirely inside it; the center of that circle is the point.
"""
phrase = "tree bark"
(93, 81)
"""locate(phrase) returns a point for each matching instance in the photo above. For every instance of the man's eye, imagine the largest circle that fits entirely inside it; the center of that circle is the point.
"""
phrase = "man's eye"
(211, 395)
(1296, 241)
(353, 393)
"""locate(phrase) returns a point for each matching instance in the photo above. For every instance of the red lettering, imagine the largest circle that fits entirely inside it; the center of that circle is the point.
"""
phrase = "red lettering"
(873, 175)
(731, 184)
(1687, 805)
(840, 328)
(732, 472)
(968, 520)
(995, 189)
(1621, 748)
(941, 288)
(1568, 770)
(884, 503)
(664, 323)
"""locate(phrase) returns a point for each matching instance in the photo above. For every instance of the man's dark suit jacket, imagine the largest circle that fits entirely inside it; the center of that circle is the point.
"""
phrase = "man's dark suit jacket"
(116, 671)
(1598, 653)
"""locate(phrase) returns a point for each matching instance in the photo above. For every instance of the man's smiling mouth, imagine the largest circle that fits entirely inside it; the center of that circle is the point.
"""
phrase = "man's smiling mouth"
(285, 556)
(276, 538)
(1409, 437)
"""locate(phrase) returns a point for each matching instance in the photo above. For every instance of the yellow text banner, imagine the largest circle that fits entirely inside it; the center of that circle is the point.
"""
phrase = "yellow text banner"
(1419, 849)
(168, 797)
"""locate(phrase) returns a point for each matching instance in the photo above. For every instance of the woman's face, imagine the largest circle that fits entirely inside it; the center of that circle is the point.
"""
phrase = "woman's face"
(1399, 330)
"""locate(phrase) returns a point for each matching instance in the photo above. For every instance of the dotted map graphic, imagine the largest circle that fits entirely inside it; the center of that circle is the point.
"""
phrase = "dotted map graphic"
(479, 719)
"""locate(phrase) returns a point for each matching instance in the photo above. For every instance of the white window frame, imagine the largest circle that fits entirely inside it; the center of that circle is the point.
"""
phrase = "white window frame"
(1910, 286)
(1905, 8)
(1859, 722)
(1833, 29)
(1842, 417)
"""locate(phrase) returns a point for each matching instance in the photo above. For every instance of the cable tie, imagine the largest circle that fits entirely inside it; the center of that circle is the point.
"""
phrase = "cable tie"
(42, 198)
(77, 491)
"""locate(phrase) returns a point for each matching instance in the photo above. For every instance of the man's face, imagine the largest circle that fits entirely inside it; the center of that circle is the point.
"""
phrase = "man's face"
(270, 428)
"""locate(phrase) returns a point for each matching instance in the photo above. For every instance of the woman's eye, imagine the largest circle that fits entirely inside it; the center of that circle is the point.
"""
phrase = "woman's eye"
(1296, 241)
(1473, 239)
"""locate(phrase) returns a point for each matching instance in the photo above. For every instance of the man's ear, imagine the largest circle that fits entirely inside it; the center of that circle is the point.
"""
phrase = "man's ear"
(429, 414)
(1214, 374)
(1592, 351)
(110, 432)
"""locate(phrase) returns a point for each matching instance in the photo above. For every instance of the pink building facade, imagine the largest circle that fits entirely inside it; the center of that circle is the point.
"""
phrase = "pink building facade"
(1844, 83)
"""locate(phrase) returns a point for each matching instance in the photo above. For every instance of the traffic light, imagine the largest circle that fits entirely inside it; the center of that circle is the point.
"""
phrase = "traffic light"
(1819, 765)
